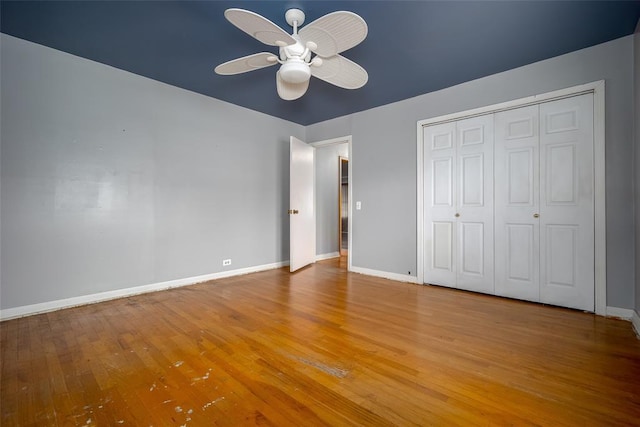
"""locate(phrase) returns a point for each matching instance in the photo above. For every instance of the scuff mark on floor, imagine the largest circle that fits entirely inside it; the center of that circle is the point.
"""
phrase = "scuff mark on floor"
(333, 371)
(213, 402)
(204, 377)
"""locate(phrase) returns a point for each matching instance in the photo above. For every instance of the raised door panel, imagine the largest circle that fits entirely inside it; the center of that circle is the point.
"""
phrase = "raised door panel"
(440, 200)
(472, 180)
(520, 262)
(442, 247)
(442, 182)
(475, 203)
(561, 253)
(519, 184)
(561, 186)
(472, 251)
(516, 174)
(567, 203)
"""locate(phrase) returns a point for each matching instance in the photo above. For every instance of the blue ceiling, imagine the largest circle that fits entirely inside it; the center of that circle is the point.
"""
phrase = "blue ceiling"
(413, 47)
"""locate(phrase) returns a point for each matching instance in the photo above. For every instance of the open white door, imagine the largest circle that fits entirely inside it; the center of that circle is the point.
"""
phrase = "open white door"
(302, 217)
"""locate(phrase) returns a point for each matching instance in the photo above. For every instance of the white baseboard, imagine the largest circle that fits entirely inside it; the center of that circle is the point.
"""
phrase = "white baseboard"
(621, 313)
(27, 310)
(635, 321)
(327, 256)
(385, 275)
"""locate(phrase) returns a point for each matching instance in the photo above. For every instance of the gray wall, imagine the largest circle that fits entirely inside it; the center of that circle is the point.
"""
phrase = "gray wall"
(636, 87)
(327, 196)
(384, 157)
(110, 180)
(339, 127)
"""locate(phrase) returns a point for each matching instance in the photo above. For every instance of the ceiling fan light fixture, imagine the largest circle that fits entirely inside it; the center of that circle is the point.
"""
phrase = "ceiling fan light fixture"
(295, 71)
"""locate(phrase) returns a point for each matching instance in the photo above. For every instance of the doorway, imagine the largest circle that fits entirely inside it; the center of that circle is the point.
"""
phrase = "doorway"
(329, 230)
(343, 206)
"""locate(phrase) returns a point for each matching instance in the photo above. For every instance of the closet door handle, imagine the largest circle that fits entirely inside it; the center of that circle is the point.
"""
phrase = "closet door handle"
(536, 215)
(457, 215)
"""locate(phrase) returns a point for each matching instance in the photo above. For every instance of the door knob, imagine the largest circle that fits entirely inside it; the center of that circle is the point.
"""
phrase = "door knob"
(536, 215)
(457, 215)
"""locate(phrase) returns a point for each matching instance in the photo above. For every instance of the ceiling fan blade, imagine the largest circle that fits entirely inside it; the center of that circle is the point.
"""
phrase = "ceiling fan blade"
(259, 27)
(335, 32)
(290, 91)
(247, 63)
(341, 72)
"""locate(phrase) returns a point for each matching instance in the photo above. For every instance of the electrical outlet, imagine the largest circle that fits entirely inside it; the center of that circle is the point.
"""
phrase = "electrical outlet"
(226, 262)
(358, 206)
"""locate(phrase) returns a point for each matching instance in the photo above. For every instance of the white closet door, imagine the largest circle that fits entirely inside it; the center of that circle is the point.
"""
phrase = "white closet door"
(509, 203)
(567, 203)
(440, 200)
(474, 165)
(517, 256)
(459, 196)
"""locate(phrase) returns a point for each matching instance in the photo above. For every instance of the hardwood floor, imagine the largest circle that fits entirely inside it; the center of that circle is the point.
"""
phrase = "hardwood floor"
(318, 347)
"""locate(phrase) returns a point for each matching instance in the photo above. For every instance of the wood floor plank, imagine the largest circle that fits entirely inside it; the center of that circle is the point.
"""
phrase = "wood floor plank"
(318, 347)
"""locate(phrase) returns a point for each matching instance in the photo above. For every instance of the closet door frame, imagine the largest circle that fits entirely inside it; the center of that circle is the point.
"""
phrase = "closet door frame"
(600, 251)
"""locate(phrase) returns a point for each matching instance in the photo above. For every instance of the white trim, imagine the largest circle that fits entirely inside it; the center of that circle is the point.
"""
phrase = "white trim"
(600, 254)
(635, 321)
(420, 206)
(332, 141)
(344, 140)
(516, 103)
(27, 310)
(620, 313)
(600, 208)
(330, 255)
(386, 275)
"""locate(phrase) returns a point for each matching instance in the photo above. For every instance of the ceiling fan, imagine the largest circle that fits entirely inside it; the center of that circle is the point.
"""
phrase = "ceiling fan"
(311, 51)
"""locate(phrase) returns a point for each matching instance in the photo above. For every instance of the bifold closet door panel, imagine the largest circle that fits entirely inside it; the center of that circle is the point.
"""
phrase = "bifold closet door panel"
(440, 204)
(474, 179)
(459, 204)
(517, 194)
(567, 203)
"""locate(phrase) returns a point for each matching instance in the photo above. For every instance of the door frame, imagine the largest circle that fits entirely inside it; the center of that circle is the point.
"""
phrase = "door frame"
(350, 221)
(600, 250)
